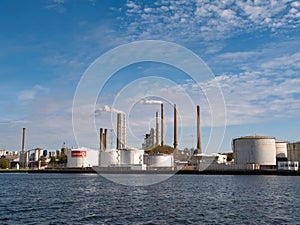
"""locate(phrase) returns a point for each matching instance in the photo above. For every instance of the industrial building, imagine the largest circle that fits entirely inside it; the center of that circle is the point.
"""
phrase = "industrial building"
(214, 158)
(149, 140)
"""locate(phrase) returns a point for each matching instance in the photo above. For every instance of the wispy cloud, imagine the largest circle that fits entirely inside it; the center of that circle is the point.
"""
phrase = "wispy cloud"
(32, 93)
(57, 5)
(252, 98)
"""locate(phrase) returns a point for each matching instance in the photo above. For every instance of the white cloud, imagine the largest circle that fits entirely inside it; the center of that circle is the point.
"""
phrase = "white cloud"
(295, 4)
(32, 93)
(284, 62)
(252, 97)
(210, 20)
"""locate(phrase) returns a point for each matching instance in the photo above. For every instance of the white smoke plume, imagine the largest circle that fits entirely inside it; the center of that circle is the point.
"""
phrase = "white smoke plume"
(106, 108)
(151, 102)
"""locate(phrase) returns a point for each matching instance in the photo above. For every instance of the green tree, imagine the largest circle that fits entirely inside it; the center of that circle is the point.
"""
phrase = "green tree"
(63, 158)
(230, 156)
(4, 163)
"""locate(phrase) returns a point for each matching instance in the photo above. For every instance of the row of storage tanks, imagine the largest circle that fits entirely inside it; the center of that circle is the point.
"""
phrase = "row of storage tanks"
(259, 150)
(115, 158)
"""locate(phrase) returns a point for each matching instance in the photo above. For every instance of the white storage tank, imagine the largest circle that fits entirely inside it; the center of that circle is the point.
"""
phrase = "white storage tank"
(159, 160)
(294, 151)
(281, 149)
(255, 150)
(82, 157)
(126, 157)
(131, 156)
(76, 158)
(110, 158)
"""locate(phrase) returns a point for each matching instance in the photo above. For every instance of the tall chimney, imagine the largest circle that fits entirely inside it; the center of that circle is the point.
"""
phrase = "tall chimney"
(101, 139)
(157, 130)
(175, 128)
(105, 139)
(124, 131)
(199, 140)
(119, 131)
(23, 140)
(162, 125)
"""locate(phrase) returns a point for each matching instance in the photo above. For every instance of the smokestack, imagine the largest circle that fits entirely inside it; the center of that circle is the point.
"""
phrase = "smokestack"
(157, 129)
(123, 138)
(101, 139)
(175, 128)
(105, 139)
(23, 140)
(162, 125)
(119, 131)
(199, 140)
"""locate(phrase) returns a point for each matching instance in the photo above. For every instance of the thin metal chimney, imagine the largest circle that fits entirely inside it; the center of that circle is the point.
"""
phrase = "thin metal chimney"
(157, 130)
(162, 125)
(119, 131)
(175, 128)
(124, 132)
(199, 139)
(105, 139)
(101, 139)
(23, 140)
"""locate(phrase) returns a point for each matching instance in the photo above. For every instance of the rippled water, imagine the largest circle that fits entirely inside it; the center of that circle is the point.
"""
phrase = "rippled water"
(182, 199)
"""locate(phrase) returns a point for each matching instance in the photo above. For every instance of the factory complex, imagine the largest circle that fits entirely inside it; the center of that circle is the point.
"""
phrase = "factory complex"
(250, 153)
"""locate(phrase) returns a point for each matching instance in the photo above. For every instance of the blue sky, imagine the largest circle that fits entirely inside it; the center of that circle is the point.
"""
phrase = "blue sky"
(252, 48)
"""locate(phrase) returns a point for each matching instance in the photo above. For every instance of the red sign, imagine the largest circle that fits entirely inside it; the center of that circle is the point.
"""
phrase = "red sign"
(78, 153)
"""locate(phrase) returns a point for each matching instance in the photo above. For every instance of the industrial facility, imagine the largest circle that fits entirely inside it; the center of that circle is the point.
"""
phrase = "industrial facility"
(249, 153)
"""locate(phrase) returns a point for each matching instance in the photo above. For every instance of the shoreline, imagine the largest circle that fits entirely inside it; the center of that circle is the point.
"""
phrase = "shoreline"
(179, 172)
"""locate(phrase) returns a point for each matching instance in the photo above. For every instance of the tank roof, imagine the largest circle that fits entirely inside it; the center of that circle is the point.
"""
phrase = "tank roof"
(254, 137)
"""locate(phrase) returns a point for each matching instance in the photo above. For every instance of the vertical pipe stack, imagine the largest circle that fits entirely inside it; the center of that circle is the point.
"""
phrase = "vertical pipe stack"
(175, 128)
(119, 132)
(157, 130)
(123, 132)
(23, 155)
(199, 139)
(162, 125)
(101, 139)
(105, 139)
(23, 140)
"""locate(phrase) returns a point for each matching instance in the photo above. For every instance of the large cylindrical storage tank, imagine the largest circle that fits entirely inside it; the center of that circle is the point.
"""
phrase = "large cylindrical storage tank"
(281, 149)
(160, 160)
(294, 151)
(110, 158)
(77, 158)
(127, 157)
(255, 150)
(138, 156)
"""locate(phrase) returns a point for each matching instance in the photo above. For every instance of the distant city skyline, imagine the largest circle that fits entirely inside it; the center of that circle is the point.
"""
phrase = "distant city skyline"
(251, 47)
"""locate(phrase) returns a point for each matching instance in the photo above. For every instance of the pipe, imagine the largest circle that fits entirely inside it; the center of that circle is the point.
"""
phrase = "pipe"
(101, 139)
(23, 140)
(119, 131)
(162, 125)
(123, 131)
(157, 130)
(105, 139)
(175, 128)
(199, 139)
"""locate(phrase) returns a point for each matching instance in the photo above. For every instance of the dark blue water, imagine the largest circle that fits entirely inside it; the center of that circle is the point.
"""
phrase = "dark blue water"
(182, 199)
